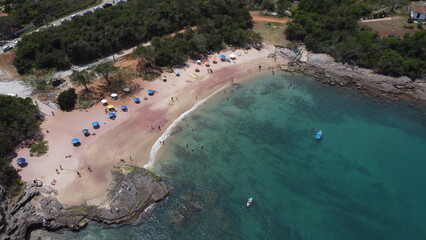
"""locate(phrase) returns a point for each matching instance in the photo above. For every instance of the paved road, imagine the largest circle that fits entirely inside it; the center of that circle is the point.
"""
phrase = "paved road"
(57, 22)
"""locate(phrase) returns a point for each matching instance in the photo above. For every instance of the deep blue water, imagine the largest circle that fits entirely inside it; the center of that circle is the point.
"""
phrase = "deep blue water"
(363, 180)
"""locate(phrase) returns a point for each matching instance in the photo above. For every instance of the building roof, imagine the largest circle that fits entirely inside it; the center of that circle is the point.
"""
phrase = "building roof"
(418, 9)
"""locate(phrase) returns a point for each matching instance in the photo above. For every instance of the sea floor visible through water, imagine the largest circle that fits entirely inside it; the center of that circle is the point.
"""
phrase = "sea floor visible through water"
(362, 180)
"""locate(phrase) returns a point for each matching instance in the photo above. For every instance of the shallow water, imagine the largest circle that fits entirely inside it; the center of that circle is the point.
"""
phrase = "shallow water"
(363, 180)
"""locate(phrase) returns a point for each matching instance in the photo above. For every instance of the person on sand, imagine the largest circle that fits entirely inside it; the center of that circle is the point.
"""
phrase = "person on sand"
(78, 173)
(89, 168)
(159, 128)
(60, 167)
(260, 67)
(57, 171)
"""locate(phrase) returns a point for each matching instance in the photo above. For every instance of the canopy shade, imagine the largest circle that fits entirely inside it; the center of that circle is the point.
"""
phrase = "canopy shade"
(85, 130)
(110, 106)
(75, 141)
(21, 161)
(136, 99)
(123, 107)
(95, 123)
(114, 95)
(222, 56)
(104, 101)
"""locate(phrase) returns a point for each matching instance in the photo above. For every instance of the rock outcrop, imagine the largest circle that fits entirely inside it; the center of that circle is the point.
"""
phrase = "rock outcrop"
(131, 192)
(325, 69)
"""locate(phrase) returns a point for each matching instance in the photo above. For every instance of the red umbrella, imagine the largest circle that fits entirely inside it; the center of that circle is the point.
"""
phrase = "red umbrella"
(206, 63)
(214, 59)
(196, 68)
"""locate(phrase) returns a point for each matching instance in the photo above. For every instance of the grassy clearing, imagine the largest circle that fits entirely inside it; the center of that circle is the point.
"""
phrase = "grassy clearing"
(397, 26)
(272, 33)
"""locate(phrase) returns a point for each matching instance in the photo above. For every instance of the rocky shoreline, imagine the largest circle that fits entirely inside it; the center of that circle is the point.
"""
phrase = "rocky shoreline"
(129, 197)
(325, 69)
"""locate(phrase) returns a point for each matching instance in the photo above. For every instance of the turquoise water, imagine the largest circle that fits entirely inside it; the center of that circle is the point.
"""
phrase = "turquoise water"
(363, 180)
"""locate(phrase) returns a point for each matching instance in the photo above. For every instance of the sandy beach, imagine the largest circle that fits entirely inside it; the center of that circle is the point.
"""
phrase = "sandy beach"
(130, 137)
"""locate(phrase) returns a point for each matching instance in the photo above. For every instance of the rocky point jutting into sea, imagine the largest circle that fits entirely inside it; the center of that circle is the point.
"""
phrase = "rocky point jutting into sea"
(326, 70)
(131, 193)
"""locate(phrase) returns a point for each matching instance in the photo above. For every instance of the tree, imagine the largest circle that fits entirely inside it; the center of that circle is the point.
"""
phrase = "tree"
(39, 80)
(122, 78)
(67, 99)
(83, 77)
(105, 70)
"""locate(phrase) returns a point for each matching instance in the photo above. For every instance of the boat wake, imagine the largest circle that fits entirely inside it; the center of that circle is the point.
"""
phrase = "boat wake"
(157, 145)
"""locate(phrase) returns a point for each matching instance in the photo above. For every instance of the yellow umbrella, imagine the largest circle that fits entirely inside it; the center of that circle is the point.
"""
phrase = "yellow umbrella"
(110, 106)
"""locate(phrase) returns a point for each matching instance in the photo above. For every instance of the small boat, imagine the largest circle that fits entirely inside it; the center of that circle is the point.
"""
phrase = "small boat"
(249, 201)
(318, 136)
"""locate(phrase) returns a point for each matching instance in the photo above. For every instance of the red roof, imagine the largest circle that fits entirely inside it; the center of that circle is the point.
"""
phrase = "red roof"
(419, 9)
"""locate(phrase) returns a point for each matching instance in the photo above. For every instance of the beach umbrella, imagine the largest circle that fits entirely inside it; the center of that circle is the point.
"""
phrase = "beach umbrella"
(114, 95)
(206, 63)
(75, 141)
(126, 90)
(197, 69)
(232, 56)
(95, 125)
(150, 92)
(177, 74)
(124, 108)
(199, 61)
(110, 106)
(85, 131)
(112, 115)
(137, 100)
(103, 101)
(222, 56)
(214, 60)
(21, 162)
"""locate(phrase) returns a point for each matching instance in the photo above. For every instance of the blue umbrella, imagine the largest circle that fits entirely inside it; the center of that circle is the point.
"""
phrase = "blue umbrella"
(123, 107)
(136, 99)
(111, 115)
(21, 161)
(150, 92)
(222, 56)
(75, 141)
(85, 131)
(95, 124)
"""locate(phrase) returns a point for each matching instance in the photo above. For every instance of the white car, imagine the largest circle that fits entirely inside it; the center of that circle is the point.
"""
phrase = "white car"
(97, 9)
(64, 20)
(7, 47)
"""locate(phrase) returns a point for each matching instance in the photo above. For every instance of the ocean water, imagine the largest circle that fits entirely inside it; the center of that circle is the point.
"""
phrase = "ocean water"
(364, 180)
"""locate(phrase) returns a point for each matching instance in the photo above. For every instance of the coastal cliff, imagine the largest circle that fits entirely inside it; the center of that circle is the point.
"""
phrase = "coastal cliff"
(325, 69)
(132, 191)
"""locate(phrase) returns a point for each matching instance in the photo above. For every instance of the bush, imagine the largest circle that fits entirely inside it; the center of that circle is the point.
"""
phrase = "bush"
(39, 148)
(410, 20)
(67, 99)
(420, 26)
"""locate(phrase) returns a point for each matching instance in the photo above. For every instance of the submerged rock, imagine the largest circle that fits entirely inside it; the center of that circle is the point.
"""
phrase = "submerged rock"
(132, 190)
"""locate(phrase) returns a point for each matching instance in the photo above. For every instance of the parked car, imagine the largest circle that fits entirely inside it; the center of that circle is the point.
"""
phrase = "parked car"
(51, 25)
(106, 5)
(75, 15)
(97, 9)
(120, 1)
(87, 12)
(64, 20)
(7, 47)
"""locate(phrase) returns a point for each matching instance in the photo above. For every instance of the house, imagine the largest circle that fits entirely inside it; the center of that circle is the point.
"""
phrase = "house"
(418, 12)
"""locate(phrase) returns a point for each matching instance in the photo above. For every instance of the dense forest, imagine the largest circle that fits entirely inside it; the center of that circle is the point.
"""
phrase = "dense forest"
(18, 122)
(104, 32)
(40, 12)
(331, 26)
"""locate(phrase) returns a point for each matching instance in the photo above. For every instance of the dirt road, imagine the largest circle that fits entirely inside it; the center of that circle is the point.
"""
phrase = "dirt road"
(259, 18)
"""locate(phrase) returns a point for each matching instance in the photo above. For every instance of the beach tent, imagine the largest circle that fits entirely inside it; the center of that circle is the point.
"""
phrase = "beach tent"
(112, 116)
(95, 125)
(150, 92)
(104, 101)
(124, 108)
(75, 142)
(232, 56)
(137, 100)
(114, 95)
(197, 69)
(21, 162)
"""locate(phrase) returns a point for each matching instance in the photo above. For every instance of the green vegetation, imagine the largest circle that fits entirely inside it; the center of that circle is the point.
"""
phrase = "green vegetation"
(104, 32)
(39, 148)
(22, 12)
(83, 77)
(331, 26)
(18, 122)
(40, 80)
(67, 99)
